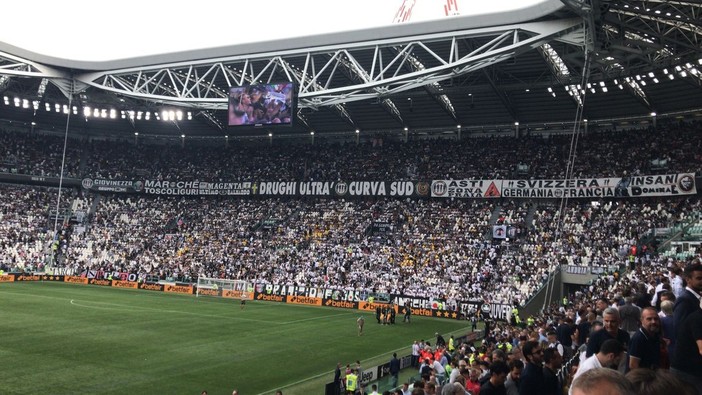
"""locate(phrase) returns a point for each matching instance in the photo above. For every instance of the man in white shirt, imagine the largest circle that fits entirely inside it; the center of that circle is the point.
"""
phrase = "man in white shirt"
(676, 281)
(553, 342)
(609, 356)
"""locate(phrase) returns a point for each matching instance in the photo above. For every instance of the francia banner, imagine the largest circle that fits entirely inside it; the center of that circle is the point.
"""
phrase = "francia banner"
(613, 187)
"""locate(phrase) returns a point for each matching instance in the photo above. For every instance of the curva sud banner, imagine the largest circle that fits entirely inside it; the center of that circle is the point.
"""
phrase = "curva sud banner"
(286, 188)
(614, 187)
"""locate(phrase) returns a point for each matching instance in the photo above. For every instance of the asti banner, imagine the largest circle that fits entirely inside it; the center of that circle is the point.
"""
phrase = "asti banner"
(633, 186)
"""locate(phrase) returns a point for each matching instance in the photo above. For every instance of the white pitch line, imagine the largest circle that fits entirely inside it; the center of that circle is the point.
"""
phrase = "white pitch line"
(128, 307)
(316, 318)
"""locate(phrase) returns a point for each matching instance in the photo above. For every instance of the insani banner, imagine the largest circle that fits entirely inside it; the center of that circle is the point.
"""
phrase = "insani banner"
(615, 187)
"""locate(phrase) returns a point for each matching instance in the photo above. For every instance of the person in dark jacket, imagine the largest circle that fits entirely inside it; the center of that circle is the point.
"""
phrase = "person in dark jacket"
(532, 381)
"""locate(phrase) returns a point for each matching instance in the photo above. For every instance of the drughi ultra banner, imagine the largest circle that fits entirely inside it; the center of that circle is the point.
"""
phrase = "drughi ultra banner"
(289, 188)
(635, 186)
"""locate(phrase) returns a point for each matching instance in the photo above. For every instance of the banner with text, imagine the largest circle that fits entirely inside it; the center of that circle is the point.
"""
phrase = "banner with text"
(103, 185)
(634, 186)
(196, 188)
(342, 188)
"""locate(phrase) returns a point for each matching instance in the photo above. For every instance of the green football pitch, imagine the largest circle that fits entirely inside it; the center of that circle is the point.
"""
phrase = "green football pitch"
(66, 339)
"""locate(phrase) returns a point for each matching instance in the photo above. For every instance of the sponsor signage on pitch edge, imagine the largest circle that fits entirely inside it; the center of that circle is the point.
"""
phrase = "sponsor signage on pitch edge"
(285, 294)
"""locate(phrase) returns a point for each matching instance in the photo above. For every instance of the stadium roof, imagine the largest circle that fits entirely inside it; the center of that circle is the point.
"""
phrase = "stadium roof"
(428, 70)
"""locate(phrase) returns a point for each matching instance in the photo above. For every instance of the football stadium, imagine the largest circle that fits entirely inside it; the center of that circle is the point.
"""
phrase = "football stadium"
(410, 197)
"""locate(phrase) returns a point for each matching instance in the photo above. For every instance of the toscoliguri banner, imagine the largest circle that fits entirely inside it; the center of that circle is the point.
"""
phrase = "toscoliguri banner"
(341, 299)
(612, 187)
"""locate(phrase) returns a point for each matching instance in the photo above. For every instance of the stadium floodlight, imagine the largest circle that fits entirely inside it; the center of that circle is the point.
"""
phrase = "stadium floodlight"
(671, 76)
(650, 74)
(665, 71)
(655, 80)
(699, 60)
(86, 111)
(683, 73)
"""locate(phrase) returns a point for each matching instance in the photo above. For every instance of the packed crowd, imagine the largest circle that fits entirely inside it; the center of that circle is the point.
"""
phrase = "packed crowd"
(606, 154)
(332, 243)
(637, 332)
(26, 229)
(439, 249)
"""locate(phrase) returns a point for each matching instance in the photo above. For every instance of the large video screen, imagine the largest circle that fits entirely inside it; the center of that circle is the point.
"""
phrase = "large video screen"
(262, 105)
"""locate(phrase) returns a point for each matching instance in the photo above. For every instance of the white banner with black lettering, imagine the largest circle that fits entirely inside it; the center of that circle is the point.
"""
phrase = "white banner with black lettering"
(634, 186)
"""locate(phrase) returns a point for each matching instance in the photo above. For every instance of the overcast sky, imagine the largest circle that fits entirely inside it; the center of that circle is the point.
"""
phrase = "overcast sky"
(94, 30)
